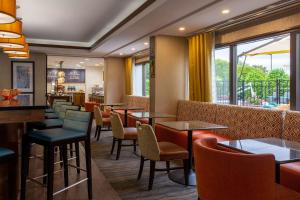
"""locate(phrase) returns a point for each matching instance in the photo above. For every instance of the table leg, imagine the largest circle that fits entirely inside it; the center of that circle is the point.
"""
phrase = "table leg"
(150, 122)
(125, 118)
(178, 175)
(277, 173)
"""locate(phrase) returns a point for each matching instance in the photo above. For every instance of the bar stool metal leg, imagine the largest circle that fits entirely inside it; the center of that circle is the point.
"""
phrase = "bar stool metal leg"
(24, 166)
(88, 167)
(50, 170)
(77, 157)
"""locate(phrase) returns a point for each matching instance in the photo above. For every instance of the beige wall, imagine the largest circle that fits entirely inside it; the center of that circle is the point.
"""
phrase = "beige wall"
(40, 61)
(169, 84)
(114, 80)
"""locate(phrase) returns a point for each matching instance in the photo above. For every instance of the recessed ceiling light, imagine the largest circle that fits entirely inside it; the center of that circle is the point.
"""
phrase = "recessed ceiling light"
(181, 28)
(97, 64)
(86, 59)
(132, 49)
(146, 43)
(56, 65)
(81, 62)
(121, 54)
(225, 11)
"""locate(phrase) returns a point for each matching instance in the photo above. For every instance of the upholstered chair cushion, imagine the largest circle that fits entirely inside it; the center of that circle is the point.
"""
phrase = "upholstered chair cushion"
(171, 151)
(51, 116)
(57, 134)
(130, 133)
(117, 126)
(232, 175)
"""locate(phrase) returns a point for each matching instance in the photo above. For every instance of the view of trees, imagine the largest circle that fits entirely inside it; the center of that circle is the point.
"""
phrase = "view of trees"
(254, 80)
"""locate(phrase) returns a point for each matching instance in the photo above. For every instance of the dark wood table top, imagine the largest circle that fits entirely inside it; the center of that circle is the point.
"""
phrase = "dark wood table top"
(126, 107)
(151, 115)
(112, 104)
(191, 125)
(284, 151)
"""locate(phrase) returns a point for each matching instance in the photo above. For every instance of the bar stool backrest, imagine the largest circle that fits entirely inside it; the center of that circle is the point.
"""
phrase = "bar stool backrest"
(148, 142)
(117, 126)
(63, 109)
(98, 116)
(59, 100)
(78, 121)
(57, 105)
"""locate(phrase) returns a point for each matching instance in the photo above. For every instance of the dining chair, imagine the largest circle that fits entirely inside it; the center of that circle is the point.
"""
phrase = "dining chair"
(120, 134)
(158, 151)
(223, 174)
(101, 122)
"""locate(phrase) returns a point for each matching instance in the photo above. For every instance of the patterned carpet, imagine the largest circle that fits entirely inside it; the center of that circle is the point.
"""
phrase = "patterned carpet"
(122, 174)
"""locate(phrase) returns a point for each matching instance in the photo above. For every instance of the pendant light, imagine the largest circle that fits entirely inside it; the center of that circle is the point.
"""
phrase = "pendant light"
(7, 11)
(18, 56)
(13, 43)
(12, 30)
(60, 74)
(21, 51)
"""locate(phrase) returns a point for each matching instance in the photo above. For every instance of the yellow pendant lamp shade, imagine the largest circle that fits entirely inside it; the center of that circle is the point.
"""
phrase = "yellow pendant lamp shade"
(7, 11)
(13, 43)
(24, 50)
(18, 56)
(12, 30)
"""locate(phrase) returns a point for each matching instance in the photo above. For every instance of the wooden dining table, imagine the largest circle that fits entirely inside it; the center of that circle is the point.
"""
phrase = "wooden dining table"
(189, 126)
(285, 151)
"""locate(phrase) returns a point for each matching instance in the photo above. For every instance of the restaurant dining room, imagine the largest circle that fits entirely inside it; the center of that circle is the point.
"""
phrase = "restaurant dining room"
(150, 100)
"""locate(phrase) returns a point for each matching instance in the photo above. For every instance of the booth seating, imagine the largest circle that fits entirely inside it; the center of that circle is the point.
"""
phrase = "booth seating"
(243, 123)
(135, 101)
(242, 176)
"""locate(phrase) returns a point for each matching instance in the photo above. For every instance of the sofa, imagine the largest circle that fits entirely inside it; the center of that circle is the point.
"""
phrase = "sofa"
(243, 123)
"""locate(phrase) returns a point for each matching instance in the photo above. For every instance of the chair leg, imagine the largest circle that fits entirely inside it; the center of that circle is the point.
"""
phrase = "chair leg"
(50, 170)
(88, 167)
(152, 173)
(113, 146)
(141, 168)
(65, 163)
(99, 132)
(71, 150)
(96, 131)
(12, 179)
(186, 171)
(168, 166)
(25, 166)
(134, 146)
(46, 164)
(77, 156)
(119, 149)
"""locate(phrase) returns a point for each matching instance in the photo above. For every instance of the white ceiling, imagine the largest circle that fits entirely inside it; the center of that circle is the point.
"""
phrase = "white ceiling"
(75, 62)
(66, 22)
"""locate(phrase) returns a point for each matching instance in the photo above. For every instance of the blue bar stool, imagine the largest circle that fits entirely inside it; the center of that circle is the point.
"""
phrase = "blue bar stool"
(56, 108)
(76, 128)
(9, 157)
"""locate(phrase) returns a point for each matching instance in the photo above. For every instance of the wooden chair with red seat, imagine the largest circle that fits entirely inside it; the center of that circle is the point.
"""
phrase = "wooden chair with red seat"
(101, 122)
(227, 175)
(120, 133)
(158, 151)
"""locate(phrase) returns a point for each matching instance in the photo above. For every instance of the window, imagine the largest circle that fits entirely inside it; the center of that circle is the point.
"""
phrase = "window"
(221, 76)
(263, 72)
(141, 79)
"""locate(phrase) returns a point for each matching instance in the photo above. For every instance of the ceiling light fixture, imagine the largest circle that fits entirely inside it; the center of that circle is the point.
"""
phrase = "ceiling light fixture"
(97, 64)
(86, 59)
(23, 51)
(146, 43)
(7, 11)
(181, 28)
(121, 54)
(12, 30)
(132, 49)
(81, 62)
(225, 11)
(18, 56)
(13, 43)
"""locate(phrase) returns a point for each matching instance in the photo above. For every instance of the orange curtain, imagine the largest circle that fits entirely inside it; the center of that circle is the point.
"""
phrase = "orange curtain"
(128, 75)
(200, 67)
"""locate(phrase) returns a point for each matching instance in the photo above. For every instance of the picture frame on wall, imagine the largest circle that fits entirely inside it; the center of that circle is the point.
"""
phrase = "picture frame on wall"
(22, 73)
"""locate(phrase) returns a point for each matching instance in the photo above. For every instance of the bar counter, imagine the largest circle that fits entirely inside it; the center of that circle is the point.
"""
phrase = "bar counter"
(13, 119)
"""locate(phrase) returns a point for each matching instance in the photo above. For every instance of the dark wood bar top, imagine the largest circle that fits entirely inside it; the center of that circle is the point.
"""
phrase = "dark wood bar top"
(29, 107)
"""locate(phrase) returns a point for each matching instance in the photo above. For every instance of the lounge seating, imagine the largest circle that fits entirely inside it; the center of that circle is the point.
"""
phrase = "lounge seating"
(120, 133)
(158, 151)
(226, 175)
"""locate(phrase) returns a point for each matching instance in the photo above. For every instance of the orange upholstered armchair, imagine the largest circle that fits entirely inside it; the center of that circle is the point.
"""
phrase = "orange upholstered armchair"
(227, 175)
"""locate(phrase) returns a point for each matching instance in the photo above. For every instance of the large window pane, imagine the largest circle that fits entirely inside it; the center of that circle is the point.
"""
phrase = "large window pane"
(221, 76)
(147, 79)
(138, 80)
(263, 73)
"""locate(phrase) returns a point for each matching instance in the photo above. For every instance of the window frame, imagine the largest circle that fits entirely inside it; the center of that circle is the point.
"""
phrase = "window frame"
(143, 77)
(294, 65)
